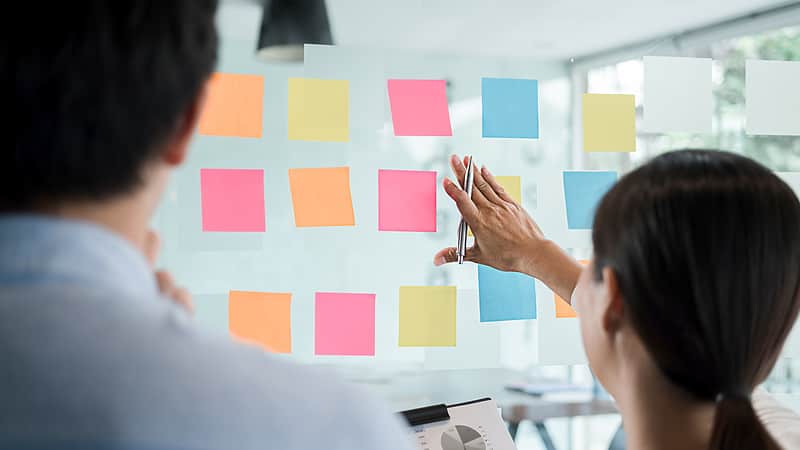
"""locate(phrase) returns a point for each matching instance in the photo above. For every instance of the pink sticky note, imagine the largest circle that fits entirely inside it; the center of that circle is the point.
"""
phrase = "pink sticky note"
(232, 199)
(419, 108)
(406, 200)
(344, 324)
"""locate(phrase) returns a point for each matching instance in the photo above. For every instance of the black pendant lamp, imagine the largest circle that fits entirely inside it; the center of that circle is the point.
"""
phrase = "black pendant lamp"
(288, 24)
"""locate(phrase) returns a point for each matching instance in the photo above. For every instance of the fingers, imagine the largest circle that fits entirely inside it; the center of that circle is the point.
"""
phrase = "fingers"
(485, 188)
(465, 204)
(450, 255)
(496, 187)
(151, 245)
(460, 170)
(168, 288)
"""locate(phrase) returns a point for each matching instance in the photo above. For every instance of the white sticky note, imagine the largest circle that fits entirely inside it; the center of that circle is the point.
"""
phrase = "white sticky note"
(772, 97)
(677, 95)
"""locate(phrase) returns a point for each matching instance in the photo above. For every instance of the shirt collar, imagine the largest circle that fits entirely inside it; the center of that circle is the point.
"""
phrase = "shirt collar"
(39, 248)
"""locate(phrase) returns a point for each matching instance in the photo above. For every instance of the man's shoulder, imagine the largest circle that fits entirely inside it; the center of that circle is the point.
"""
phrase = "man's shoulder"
(146, 367)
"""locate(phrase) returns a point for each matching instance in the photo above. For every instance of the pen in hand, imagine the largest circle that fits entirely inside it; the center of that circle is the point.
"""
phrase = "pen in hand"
(461, 246)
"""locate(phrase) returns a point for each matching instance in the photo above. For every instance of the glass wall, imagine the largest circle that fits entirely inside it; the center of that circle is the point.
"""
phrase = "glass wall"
(781, 153)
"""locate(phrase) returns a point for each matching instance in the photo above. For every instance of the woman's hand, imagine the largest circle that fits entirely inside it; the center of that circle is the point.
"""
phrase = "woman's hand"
(506, 237)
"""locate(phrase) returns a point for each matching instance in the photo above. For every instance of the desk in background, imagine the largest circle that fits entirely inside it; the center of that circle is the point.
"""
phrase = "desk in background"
(407, 390)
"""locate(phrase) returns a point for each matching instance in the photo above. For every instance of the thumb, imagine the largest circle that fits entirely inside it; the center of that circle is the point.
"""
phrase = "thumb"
(450, 255)
(152, 244)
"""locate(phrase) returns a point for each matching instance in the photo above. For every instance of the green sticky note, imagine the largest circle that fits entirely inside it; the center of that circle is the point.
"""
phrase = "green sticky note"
(427, 316)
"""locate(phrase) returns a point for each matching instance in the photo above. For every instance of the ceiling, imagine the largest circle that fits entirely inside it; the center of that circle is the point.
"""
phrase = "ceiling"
(542, 29)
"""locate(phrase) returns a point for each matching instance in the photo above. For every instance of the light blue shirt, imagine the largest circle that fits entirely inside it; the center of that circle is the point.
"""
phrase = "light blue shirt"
(91, 356)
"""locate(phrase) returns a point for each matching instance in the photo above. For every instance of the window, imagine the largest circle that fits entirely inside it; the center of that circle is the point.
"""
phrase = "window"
(780, 153)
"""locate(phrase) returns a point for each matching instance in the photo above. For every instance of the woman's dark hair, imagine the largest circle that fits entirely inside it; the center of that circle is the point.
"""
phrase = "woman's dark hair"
(706, 249)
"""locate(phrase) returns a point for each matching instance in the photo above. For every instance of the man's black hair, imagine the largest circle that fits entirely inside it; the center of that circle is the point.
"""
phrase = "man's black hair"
(98, 86)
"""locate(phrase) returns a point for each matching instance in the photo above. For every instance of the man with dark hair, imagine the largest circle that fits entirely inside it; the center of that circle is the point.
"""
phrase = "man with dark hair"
(92, 352)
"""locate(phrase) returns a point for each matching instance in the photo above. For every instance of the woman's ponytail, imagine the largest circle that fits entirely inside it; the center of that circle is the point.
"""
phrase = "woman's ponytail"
(737, 427)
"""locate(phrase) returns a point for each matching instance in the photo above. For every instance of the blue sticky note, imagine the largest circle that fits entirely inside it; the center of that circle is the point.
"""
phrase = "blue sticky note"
(510, 107)
(582, 193)
(505, 295)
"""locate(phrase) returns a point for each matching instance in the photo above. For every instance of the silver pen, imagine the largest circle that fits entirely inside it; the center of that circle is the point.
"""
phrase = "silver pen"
(461, 248)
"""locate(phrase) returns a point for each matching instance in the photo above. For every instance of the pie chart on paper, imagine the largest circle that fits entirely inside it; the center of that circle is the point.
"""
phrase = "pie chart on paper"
(462, 437)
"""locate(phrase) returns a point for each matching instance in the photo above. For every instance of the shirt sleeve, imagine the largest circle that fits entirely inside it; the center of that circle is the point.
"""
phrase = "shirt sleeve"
(781, 422)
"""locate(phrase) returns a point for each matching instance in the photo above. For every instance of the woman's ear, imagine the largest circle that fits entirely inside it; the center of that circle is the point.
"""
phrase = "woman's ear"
(614, 309)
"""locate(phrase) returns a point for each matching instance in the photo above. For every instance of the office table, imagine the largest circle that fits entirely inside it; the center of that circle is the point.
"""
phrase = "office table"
(413, 389)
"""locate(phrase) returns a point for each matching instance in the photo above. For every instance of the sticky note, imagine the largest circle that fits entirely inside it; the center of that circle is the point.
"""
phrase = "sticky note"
(233, 106)
(512, 184)
(344, 324)
(609, 123)
(677, 95)
(563, 309)
(262, 318)
(318, 110)
(427, 316)
(321, 197)
(505, 295)
(406, 200)
(232, 199)
(419, 108)
(772, 97)
(582, 193)
(510, 107)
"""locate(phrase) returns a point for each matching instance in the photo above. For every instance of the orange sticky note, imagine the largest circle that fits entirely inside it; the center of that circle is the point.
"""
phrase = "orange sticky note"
(262, 318)
(564, 309)
(233, 106)
(321, 197)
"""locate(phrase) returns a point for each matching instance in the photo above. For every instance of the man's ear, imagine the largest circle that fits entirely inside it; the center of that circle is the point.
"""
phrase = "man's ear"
(614, 308)
(178, 145)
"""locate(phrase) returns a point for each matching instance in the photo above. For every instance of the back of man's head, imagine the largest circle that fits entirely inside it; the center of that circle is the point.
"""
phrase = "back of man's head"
(98, 86)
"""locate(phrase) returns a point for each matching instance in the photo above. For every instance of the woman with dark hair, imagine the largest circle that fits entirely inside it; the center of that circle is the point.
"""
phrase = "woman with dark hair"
(692, 290)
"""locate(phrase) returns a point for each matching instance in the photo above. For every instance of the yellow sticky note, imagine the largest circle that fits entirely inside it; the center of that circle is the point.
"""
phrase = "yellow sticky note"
(319, 110)
(609, 123)
(427, 316)
(512, 185)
